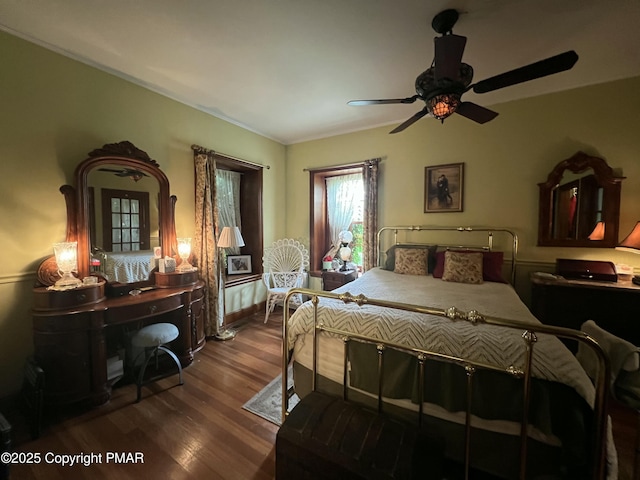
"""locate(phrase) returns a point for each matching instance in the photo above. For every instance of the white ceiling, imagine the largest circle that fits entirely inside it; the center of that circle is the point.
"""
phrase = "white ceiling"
(286, 68)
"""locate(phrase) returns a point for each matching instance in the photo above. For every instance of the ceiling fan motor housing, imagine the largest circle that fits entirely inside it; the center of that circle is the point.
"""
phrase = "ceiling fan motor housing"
(427, 86)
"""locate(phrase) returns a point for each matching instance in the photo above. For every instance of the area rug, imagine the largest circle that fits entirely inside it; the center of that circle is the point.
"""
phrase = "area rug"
(267, 403)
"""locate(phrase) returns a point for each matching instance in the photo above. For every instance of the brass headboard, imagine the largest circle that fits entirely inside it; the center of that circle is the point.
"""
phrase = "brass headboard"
(408, 234)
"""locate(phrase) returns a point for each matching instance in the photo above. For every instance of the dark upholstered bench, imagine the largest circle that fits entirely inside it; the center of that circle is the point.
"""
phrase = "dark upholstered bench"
(325, 437)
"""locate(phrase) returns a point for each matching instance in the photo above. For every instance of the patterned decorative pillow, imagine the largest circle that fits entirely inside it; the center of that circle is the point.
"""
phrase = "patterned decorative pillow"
(390, 261)
(462, 267)
(411, 261)
(491, 265)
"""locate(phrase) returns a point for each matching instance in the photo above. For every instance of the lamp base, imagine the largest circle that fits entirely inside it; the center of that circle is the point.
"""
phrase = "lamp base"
(67, 282)
(225, 334)
(185, 267)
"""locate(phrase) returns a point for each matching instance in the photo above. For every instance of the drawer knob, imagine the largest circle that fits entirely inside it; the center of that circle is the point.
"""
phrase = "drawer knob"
(81, 297)
(153, 308)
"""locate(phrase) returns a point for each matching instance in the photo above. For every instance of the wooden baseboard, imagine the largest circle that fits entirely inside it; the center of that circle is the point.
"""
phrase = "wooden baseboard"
(245, 312)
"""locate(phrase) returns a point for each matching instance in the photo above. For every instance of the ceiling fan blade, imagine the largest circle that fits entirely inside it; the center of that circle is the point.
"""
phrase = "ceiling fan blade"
(449, 50)
(387, 101)
(476, 112)
(549, 66)
(411, 120)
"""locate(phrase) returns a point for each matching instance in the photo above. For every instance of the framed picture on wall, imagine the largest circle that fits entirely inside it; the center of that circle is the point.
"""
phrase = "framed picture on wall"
(443, 188)
(238, 264)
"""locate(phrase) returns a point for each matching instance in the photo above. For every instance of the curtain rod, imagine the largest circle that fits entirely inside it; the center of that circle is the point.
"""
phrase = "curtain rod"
(206, 151)
(346, 165)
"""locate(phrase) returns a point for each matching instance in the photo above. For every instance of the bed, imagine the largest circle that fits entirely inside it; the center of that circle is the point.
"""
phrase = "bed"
(462, 355)
(128, 267)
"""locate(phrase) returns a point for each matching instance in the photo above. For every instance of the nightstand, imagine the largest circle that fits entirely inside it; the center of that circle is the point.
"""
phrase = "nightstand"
(335, 279)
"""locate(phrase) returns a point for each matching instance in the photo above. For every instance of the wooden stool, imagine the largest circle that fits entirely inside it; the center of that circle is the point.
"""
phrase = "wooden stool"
(154, 338)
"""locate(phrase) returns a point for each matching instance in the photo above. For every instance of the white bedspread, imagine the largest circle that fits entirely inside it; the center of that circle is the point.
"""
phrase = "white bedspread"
(482, 343)
(128, 267)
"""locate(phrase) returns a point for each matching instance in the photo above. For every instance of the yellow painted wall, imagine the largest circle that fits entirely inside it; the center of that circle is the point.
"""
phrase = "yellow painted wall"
(53, 111)
(504, 161)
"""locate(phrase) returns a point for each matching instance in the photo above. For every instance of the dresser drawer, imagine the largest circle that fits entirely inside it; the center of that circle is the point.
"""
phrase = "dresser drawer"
(61, 323)
(128, 311)
(49, 300)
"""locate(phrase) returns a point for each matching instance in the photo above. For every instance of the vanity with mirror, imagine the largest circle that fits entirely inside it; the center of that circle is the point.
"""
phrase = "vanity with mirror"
(580, 204)
(121, 214)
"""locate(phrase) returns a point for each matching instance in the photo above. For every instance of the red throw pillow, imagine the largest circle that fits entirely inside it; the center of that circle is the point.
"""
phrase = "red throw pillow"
(491, 265)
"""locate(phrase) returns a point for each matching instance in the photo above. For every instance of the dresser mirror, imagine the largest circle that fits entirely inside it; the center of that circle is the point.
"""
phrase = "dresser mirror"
(124, 211)
(580, 204)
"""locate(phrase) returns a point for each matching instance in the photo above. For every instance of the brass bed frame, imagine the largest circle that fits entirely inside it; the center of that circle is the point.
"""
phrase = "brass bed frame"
(529, 336)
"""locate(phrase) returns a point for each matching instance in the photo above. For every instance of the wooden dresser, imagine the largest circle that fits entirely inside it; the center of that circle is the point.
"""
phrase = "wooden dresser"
(81, 336)
(334, 279)
(613, 306)
(76, 331)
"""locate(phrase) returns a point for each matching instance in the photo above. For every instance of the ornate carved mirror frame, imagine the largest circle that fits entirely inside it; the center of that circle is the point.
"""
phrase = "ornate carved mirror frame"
(611, 189)
(79, 207)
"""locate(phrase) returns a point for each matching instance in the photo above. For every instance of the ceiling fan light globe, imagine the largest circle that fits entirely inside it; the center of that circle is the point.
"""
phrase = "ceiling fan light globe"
(444, 105)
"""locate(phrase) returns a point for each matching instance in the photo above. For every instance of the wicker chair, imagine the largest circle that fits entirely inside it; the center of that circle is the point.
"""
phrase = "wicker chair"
(284, 265)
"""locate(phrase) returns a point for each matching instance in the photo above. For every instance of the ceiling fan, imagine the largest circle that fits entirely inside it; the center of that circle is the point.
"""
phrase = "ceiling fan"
(126, 172)
(442, 85)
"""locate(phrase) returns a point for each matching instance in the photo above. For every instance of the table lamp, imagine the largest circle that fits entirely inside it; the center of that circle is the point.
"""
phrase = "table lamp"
(229, 237)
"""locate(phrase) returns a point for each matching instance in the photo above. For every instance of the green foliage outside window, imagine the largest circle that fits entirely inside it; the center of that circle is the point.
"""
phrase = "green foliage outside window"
(357, 243)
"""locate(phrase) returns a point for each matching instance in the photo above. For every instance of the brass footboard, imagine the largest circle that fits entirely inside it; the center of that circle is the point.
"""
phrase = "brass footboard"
(524, 371)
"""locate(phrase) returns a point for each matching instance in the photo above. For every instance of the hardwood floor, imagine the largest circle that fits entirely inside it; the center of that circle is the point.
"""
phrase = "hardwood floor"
(625, 428)
(198, 430)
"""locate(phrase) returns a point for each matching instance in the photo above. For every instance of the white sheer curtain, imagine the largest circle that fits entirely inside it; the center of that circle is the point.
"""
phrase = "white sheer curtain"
(341, 204)
(228, 198)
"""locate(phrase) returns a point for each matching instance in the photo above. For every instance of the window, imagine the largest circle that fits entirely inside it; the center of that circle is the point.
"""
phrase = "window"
(345, 203)
(345, 198)
(250, 211)
(228, 198)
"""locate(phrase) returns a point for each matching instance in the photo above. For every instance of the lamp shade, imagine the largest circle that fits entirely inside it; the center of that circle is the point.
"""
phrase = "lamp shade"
(184, 247)
(230, 237)
(184, 252)
(345, 236)
(598, 232)
(67, 259)
(632, 242)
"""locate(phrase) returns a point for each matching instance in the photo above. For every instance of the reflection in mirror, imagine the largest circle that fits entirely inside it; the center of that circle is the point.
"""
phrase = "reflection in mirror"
(123, 223)
(577, 207)
(580, 204)
(124, 212)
